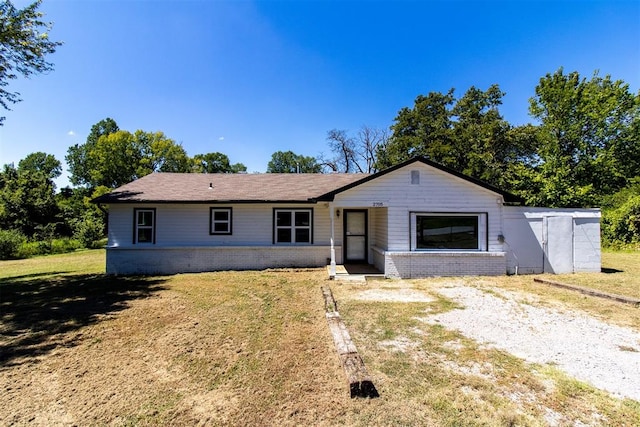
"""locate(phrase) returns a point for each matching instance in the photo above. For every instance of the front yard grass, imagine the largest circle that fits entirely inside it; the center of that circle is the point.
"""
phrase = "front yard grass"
(253, 348)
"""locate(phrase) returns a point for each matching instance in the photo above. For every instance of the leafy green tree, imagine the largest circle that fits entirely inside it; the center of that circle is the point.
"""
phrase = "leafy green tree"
(77, 155)
(289, 162)
(467, 134)
(114, 160)
(215, 163)
(27, 198)
(424, 130)
(160, 154)
(41, 162)
(111, 157)
(24, 45)
(589, 137)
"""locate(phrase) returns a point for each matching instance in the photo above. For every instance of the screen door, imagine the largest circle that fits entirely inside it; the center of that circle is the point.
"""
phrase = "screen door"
(355, 235)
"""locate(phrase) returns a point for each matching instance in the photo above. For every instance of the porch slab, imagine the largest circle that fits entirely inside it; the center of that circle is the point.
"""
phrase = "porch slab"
(357, 272)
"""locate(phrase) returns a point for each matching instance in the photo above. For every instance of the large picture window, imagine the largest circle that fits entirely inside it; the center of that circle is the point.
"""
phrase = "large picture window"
(293, 226)
(448, 231)
(144, 226)
(220, 221)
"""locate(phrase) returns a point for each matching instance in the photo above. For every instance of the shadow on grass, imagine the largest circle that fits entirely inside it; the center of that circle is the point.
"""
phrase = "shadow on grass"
(610, 270)
(38, 315)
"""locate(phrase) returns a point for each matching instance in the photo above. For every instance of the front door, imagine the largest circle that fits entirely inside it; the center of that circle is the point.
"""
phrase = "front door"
(355, 236)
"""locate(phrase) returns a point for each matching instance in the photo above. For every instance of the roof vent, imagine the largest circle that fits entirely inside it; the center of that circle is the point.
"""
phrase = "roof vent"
(211, 186)
(415, 177)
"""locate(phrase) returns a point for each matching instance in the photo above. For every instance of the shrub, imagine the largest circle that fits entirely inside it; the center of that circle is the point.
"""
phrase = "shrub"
(622, 225)
(88, 230)
(10, 242)
(64, 245)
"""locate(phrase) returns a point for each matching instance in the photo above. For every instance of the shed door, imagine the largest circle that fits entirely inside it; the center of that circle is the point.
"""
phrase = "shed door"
(558, 253)
(355, 236)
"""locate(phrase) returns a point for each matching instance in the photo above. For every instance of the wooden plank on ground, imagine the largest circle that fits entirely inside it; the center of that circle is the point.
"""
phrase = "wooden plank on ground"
(360, 384)
(588, 291)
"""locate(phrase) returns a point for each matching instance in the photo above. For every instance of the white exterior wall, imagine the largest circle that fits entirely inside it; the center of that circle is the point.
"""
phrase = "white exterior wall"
(528, 234)
(183, 242)
(188, 224)
(516, 237)
(393, 197)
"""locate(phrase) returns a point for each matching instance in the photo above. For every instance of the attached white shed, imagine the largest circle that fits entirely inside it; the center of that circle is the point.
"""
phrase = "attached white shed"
(544, 240)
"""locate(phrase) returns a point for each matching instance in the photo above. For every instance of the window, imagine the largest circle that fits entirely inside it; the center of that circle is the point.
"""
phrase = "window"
(220, 221)
(292, 226)
(448, 231)
(144, 226)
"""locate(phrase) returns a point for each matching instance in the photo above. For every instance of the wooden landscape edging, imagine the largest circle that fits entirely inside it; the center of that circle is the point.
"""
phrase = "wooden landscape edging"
(592, 292)
(360, 384)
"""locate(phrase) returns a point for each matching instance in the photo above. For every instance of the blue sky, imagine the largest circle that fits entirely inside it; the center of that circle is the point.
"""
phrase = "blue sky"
(249, 78)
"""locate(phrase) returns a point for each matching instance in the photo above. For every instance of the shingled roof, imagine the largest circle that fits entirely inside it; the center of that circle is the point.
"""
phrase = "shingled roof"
(237, 188)
(257, 188)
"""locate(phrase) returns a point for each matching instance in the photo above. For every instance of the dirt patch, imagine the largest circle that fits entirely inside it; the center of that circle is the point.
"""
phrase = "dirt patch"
(393, 295)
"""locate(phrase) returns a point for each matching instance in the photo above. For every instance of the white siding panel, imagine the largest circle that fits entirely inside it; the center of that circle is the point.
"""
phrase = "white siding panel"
(525, 238)
(437, 191)
(188, 225)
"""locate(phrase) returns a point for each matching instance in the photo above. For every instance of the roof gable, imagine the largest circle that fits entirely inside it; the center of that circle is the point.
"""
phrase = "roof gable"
(508, 197)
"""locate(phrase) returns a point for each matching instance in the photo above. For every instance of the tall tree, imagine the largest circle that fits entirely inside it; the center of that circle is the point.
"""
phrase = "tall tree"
(353, 153)
(27, 194)
(77, 155)
(589, 136)
(41, 162)
(289, 162)
(216, 163)
(483, 146)
(24, 46)
(160, 154)
(424, 130)
(113, 157)
(467, 134)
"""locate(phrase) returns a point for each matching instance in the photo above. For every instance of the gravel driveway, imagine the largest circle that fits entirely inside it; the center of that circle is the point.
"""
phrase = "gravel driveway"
(603, 355)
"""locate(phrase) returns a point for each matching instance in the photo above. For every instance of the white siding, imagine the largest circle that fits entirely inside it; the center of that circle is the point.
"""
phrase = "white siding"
(188, 225)
(437, 191)
(526, 235)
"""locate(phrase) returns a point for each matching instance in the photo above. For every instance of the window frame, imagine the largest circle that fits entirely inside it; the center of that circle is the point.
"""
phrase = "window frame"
(482, 230)
(292, 227)
(212, 221)
(137, 226)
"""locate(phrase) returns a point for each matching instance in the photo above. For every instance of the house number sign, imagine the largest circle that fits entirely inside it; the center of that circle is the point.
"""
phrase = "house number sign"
(377, 204)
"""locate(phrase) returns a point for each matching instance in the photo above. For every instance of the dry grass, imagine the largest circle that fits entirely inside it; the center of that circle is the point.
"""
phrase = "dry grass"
(253, 348)
(429, 375)
(620, 275)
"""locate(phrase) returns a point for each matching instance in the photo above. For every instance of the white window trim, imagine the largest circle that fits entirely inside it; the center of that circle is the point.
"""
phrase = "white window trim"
(482, 230)
(212, 221)
(137, 226)
(292, 227)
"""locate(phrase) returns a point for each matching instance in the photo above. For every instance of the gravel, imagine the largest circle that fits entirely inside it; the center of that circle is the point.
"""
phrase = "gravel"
(603, 355)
